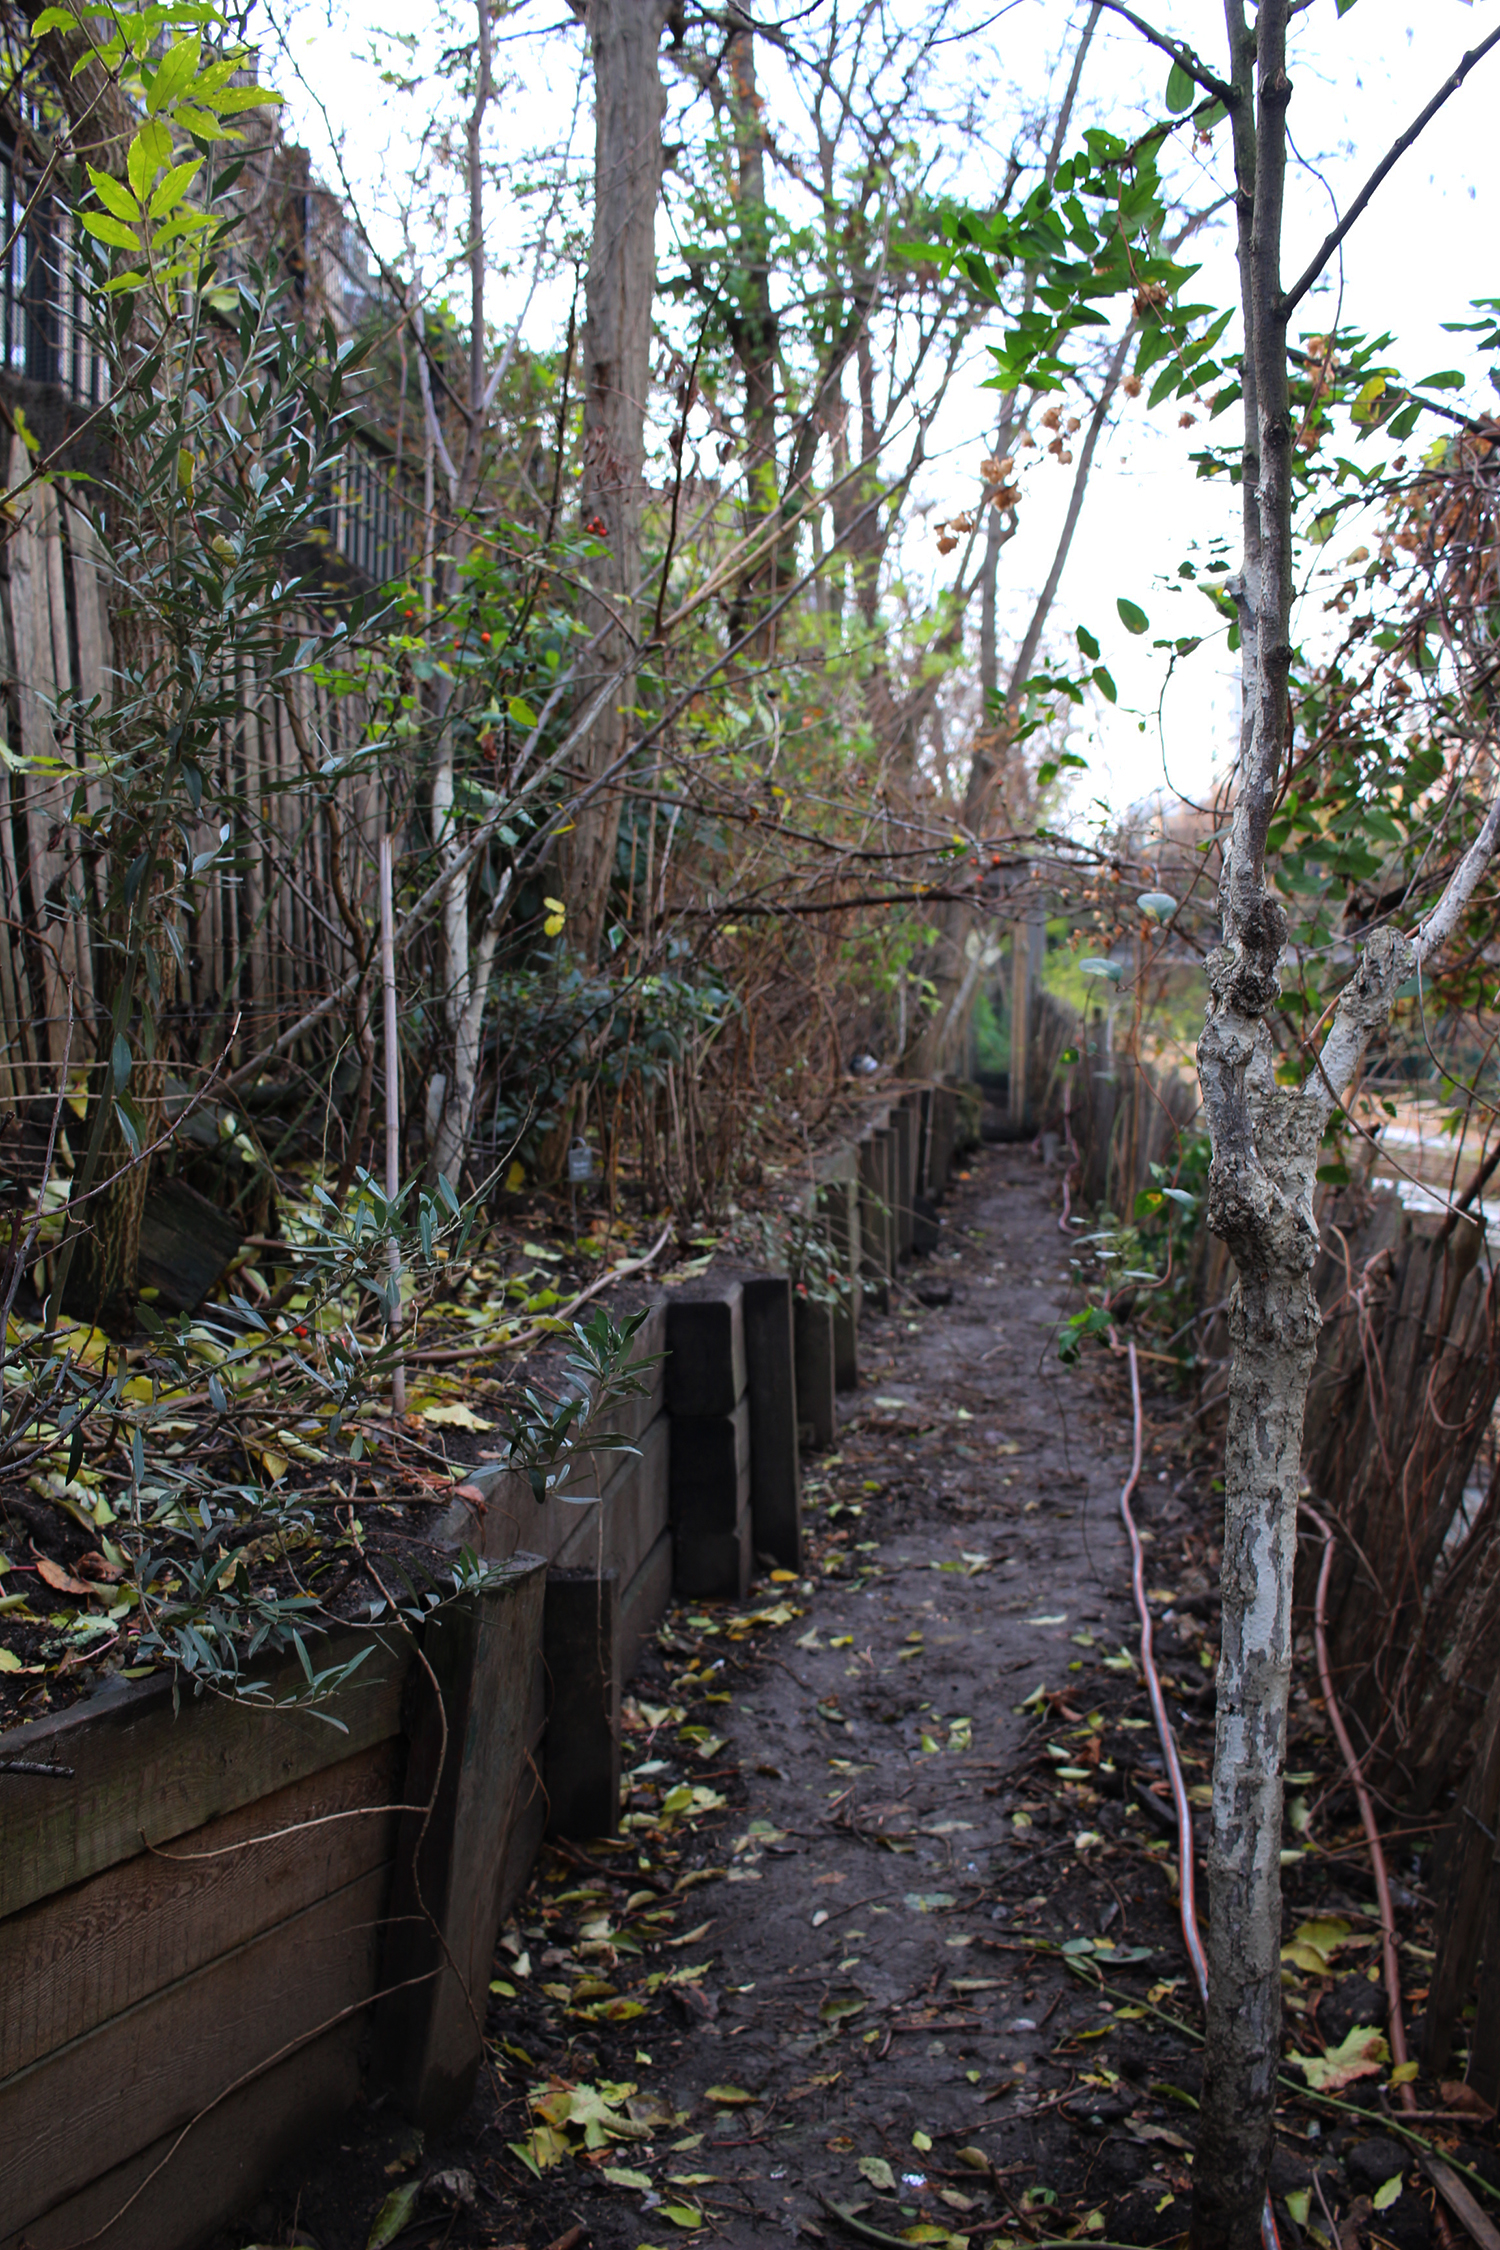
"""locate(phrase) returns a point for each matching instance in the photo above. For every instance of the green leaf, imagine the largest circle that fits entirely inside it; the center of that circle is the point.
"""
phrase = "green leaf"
(150, 154)
(127, 1126)
(53, 19)
(1097, 966)
(119, 1062)
(521, 711)
(1388, 2193)
(174, 187)
(113, 231)
(394, 2214)
(1104, 682)
(879, 2174)
(179, 69)
(1087, 642)
(1182, 90)
(1068, 1055)
(1132, 616)
(113, 196)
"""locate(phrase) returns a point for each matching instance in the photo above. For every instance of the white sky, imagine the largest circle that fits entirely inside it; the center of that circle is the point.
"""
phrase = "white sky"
(1416, 259)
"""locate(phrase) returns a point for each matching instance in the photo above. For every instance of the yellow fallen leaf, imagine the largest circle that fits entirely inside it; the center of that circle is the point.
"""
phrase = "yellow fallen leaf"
(452, 1414)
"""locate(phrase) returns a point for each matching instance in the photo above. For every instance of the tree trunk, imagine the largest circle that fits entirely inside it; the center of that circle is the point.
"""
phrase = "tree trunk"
(753, 327)
(629, 106)
(1260, 1201)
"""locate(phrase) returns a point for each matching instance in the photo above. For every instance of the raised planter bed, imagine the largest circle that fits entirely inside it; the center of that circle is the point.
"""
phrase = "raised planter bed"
(213, 1928)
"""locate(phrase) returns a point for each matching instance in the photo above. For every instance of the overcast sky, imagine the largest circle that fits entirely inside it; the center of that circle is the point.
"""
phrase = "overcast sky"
(1417, 258)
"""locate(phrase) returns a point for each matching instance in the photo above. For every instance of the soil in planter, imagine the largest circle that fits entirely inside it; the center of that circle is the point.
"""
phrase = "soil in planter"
(890, 1929)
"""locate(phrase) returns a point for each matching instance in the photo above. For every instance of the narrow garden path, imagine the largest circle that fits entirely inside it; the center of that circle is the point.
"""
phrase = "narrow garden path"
(825, 1965)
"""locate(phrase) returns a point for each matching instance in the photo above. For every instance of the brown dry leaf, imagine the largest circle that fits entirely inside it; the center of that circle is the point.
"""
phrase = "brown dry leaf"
(98, 1566)
(1456, 2095)
(61, 1581)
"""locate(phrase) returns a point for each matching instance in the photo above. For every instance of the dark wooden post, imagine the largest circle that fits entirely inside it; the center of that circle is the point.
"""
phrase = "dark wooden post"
(583, 1733)
(775, 1485)
(445, 1900)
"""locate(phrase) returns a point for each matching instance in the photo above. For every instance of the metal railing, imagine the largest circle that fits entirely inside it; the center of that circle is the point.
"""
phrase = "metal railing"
(45, 337)
(366, 520)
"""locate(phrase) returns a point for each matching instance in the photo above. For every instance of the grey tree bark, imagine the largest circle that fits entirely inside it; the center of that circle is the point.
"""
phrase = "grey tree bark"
(625, 36)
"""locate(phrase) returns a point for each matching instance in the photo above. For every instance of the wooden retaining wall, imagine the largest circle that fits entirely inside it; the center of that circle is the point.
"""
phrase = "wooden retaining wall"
(194, 1932)
(217, 1928)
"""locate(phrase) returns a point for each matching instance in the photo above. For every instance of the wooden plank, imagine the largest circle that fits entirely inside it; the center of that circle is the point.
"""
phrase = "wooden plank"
(633, 1512)
(580, 1622)
(43, 794)
(97, 2102)
(139, 1773)
(642, 1605)
(72, 1961)
(529, 1818)
(705, 1348)
(775, 1482)
(1484, 2044)
(817, 1415)
(1469, 1871)
(180, 2189)
(445, 1906)
(90, 608)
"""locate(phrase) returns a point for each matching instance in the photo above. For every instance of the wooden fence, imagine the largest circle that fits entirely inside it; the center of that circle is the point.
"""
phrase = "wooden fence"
(265, 941)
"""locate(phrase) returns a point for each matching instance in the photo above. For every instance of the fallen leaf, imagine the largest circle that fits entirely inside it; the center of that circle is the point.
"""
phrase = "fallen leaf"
(927, 1902)
(1326, 1935)
(618, 2176)
(730, 2097)
(452, 1414)
(879, 2174)
(60, 1580)
(1456, 2095)
(394, 2214)
(1389, 2192)
(1363, 2054)
(681, 2215)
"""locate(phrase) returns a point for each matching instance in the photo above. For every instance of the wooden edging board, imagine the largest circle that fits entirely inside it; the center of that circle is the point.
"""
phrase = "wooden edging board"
(200, 1914)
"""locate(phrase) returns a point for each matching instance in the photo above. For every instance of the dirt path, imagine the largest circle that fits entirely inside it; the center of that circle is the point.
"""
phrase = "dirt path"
(832, 1976)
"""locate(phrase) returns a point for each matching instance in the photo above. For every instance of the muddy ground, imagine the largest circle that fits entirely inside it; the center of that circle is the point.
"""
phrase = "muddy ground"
(888, 1947)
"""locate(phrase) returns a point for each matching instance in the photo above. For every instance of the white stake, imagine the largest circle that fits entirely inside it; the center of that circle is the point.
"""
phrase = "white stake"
(392, 1094)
